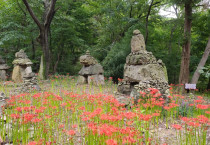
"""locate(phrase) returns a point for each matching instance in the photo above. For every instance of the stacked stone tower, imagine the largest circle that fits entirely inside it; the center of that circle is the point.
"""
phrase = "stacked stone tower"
(141, 71)
(22, 73)
(22, 64)
(91, 72)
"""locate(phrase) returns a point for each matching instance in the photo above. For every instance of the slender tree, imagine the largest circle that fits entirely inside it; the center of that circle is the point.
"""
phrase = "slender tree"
(44, 28)
(147, 18)
(185, 60)
(203, 60)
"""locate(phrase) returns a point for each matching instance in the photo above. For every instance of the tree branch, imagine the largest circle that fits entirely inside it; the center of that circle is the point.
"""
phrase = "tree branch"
(156, 3)
(21, 8)
(50, 13)
(147, 21)
(32, 14)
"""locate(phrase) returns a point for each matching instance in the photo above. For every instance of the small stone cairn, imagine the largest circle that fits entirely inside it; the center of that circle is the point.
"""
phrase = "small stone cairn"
(22, 73)
(29, 84)
(3, 69)
(91, 72)
(141, 72)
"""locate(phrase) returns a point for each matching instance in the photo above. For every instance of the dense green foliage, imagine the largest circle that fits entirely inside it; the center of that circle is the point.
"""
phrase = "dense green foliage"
(105, 28)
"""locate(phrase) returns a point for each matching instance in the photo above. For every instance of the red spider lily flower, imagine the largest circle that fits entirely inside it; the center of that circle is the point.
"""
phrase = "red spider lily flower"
(145, 117)
(54, 107)
(106, 129)
(157, 95)
(85, 119)
(36, 96)
(153, 91)
(27, 117)
(61, 126)
(142, 93)
(36, 120)
(161, 99)
(200, 106)
(48, 116)
(129, 122)
(177, 126)
(96, 112)
(182, 97)
(193, 124)
(170, 97)
(71, 132)
(58, 98)
(146, 105)
(19, 109)
(185, 119)
(27, 102)
(82, 108)
(156, 114)
(199, 97)
(203, 119)
(25, 108)
(172, 105)
(111, 117)
(111, 142)
(92, 126)
(198, 101)
(119, 79)
(128, 140)
(207, 112)
(129, 115)
(167, 107)
(74, 126)
(15, 116)
(37, 111)
(63, 104)
(49, 143)
(33, 143)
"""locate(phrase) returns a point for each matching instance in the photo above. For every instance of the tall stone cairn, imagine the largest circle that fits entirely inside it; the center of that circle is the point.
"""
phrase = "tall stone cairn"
(22, 73)
(3, 69)
(21, 64)
(141, 72)
(91, 72)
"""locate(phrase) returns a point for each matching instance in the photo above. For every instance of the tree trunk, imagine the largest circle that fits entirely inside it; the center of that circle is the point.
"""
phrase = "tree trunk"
(46, 54)
(147, 21)
(185, 60)
(56, 63)
(208, 86)
(41, 69)
(44, 28)
(171, 39)
(203, 60)
(33, 49)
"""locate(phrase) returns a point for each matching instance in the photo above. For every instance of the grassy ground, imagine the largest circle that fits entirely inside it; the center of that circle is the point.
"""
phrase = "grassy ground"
(67, 113)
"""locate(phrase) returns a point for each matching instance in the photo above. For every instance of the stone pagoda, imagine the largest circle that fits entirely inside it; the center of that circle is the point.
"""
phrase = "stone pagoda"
(22, 64)
(141, 71)
(91, 72)
(22, 73)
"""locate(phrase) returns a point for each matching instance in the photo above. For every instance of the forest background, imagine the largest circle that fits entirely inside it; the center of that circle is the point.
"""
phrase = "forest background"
(105, 28)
